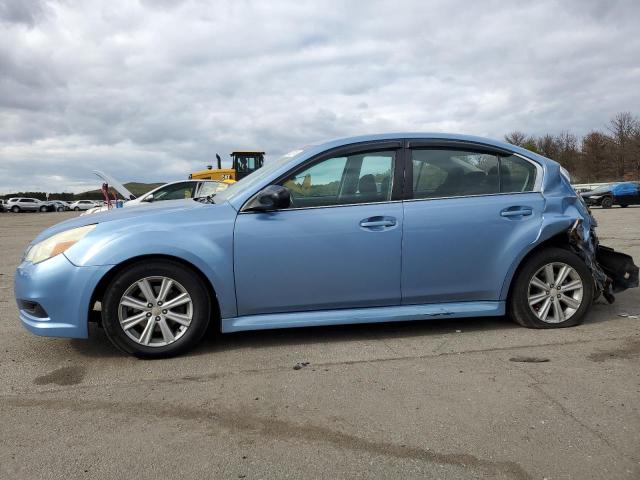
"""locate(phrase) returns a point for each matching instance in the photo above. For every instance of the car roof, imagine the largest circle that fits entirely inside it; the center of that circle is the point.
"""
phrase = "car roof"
(344, 141)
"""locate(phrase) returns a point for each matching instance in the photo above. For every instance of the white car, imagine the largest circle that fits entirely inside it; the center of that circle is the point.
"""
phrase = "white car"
(83, 205)
(172, 191)
(21, 204)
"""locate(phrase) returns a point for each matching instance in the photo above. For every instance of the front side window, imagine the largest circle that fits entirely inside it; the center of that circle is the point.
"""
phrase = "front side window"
(343, 180)
(176, 191)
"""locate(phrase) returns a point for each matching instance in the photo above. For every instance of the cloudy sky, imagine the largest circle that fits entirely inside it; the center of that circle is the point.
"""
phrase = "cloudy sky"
(150, 90)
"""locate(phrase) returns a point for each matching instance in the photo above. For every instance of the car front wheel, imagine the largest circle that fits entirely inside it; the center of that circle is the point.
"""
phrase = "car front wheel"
(554, 288)
(156, 309)
(15, 209)
(607, 202)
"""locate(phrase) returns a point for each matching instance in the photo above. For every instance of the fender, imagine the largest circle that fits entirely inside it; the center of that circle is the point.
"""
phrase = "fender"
(205, 247)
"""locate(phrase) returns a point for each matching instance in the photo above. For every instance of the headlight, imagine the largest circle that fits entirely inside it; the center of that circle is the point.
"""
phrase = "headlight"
(56, 244)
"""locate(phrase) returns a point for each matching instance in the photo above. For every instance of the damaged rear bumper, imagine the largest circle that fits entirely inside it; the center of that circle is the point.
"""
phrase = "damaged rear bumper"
(619, 267)
(612, 271)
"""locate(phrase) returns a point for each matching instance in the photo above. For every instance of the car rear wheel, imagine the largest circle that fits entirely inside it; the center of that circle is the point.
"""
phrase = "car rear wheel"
(156, 309)
(624, 205)
(43, 209)
(554, 288)
(607, 202)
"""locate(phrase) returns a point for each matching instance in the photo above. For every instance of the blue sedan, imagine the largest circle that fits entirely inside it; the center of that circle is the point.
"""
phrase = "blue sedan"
(368, 229)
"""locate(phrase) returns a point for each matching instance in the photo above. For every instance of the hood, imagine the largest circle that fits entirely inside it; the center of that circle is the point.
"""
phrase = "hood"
(155, 211)
(118, 187)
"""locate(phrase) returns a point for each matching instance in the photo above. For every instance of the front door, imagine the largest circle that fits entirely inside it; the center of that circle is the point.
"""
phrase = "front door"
(337, 246)
(470, 214)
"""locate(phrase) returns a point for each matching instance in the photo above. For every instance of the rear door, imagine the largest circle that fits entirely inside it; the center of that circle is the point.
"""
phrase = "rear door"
(469, 212)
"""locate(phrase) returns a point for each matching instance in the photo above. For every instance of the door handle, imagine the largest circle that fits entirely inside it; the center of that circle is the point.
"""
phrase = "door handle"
(516, 212)
(378, 223)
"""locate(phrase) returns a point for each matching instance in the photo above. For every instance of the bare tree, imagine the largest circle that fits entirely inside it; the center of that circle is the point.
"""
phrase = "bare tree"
(622, 128)
(596, 148)
(548, 146)
(516, 138)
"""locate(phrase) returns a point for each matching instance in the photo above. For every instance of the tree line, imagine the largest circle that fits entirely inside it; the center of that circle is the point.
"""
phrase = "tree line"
(611, 154)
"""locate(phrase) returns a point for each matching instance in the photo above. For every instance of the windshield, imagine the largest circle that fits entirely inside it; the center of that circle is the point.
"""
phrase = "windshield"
(255, 177)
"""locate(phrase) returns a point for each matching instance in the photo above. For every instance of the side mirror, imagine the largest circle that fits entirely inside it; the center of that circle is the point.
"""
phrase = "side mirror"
(148, 198)
(273, 197)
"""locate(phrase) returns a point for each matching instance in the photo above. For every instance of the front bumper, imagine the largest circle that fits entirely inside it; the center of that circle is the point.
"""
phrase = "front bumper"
(62, 290)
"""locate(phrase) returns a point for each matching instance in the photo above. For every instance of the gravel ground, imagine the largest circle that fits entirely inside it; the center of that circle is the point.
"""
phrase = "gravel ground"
(435, 399)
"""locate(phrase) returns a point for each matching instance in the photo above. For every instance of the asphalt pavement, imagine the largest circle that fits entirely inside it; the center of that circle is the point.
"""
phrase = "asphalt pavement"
(454, 399)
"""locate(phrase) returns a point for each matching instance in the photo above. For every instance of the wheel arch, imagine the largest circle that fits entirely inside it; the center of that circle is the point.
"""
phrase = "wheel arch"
(101, 287)
(559, 239)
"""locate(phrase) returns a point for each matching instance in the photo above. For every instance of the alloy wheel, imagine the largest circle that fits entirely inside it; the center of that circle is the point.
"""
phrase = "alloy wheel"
(555, 292)
(155, 311)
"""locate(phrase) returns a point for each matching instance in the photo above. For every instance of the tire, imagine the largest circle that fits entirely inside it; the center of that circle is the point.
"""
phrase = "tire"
(523, 290)
(623, 205)
(607, 202)
(77, 209)
(60, 209)
(153, 320)
(43, 209)
(15, 209)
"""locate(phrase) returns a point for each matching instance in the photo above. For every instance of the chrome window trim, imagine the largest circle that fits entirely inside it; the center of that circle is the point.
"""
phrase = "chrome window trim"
(324, 206)
(471, 196)
(394, 201)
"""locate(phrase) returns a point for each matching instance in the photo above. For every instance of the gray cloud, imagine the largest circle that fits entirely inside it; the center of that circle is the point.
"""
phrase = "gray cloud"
(152, 90)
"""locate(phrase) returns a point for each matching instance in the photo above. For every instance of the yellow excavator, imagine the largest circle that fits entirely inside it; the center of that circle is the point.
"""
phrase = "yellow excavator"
(243, 163)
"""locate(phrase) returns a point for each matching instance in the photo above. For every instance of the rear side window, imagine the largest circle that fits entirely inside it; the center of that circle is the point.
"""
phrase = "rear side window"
(517, 174)
(441, 173)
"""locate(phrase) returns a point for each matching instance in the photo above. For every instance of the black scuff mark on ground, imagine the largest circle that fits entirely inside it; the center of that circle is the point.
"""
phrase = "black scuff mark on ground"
(62, 376)
(242, 421)
(629, 350)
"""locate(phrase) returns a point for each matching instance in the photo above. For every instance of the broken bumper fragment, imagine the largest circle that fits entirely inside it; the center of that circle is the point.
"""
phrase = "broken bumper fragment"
(612, 271)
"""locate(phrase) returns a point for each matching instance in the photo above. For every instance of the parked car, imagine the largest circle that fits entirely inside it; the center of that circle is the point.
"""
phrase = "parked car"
(83, 205)
(2, 206)
(56, 206)
(606, 196)
(171, 191)
(369, 229)
(21, 204)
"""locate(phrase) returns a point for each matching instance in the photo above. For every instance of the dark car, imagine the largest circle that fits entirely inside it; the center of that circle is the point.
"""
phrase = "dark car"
(56, 206)
(606, 196)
